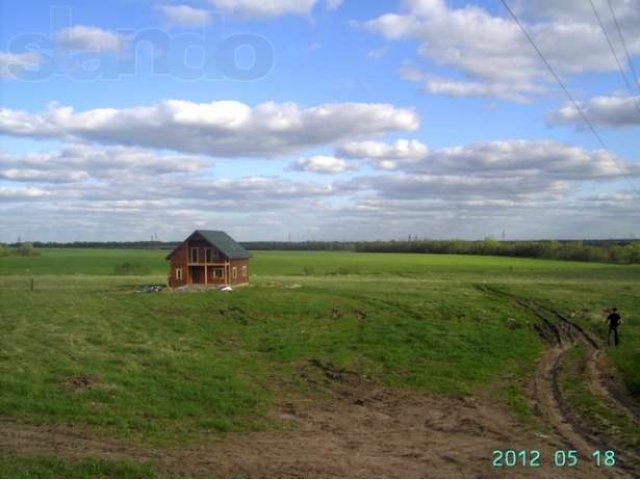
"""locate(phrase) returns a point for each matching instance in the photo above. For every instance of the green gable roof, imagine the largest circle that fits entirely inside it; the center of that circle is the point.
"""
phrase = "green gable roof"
(223, 242)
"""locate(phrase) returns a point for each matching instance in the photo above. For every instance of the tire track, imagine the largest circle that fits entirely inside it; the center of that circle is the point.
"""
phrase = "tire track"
(546, 388)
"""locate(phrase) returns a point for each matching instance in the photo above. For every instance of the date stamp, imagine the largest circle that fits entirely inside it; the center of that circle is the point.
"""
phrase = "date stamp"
(559, 458)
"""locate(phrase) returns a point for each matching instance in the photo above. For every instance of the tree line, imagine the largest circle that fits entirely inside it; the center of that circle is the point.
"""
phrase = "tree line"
(605, 251)
(624, 252)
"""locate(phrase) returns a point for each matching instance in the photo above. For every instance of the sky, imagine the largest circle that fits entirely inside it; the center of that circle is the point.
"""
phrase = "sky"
(319, 119)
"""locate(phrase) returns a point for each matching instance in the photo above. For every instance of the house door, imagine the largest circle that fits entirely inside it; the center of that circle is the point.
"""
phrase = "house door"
(197, 275)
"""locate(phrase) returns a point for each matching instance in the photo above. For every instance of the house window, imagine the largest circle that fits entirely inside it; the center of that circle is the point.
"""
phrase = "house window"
(194, 255)
(207, 255)
(234, 272)
(178, 274)
(217, 273)
(244, 270)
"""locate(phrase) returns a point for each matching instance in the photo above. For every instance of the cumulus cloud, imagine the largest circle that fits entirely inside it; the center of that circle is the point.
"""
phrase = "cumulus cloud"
(531, 188)
(532, 159)
(8, 194)
(459, 187)
(258, 192)
(572, 10)
(13, 64)
(604, 111)
(492, 52)
(185, 15)
(76, 163)
(462, 88)
(516, 171)
(333, 4)
(89, 38)
(321, 164)
(385, 156)
(222, 128)
(264, 8)
(272, 8)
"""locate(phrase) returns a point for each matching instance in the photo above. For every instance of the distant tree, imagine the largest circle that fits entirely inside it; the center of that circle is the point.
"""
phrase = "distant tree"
(490, 246)
(4, 250)
(26, 250)
(619, 254)
(634, 252)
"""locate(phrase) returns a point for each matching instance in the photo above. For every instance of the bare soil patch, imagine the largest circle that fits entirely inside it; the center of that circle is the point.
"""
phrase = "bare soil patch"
(81, 381)
(362, 431)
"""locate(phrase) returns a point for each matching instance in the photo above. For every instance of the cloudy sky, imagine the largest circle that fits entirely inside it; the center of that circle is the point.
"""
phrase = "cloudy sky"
(319, 119)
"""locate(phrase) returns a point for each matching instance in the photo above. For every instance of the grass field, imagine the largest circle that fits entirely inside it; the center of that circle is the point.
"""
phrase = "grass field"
(85, 348)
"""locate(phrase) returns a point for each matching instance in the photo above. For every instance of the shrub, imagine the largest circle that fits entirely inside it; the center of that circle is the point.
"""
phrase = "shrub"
(26, 250)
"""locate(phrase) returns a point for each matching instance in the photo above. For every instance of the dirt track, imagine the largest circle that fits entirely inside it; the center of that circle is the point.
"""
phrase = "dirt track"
(547, 397)
(366, 431)
(363, 432)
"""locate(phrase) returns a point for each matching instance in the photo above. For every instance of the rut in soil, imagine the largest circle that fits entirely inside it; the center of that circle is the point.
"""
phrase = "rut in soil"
(560, 334)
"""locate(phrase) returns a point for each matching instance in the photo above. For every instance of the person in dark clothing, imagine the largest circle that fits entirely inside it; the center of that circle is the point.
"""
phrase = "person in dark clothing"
(614, 320)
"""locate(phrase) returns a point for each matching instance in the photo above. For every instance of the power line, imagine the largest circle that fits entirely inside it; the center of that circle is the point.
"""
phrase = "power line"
(624, 45)
(575, 104)
(615, 55)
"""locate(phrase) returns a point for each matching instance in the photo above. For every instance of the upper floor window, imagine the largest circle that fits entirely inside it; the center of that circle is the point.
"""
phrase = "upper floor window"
(194, 255)
(208, 255)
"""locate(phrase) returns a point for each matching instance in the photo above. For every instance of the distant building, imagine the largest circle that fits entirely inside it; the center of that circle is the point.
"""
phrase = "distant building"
(209, 257)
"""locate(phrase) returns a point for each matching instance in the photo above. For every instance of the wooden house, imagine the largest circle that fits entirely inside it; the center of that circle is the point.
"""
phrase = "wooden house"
(209, 257)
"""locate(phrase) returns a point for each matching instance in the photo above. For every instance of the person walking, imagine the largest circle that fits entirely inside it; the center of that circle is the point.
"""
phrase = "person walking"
(614, 320)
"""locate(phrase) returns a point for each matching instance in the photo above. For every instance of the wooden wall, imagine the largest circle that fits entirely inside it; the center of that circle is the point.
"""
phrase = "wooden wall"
(181, 258)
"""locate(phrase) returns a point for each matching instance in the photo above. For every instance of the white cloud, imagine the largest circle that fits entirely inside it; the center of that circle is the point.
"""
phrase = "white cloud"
(185, 15)
(393, 26)
(463, 88)
(604, 111)
(88, 38)
(264, 8)
(386, 156)
(272, 8)
(492, 52)
(77, 163)
(221, 128)
(411, 73)
(12, 193)
(13, 64)
(529, 160)
(531, 188)
(489, 179)
(333, 4)
(514, 188)
(321, 164)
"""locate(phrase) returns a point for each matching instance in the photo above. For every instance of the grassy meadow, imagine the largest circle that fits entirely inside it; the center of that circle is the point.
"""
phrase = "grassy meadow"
(85, 347)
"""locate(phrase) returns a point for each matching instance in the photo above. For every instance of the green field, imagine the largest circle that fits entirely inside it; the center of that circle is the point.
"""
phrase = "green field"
(84, 347)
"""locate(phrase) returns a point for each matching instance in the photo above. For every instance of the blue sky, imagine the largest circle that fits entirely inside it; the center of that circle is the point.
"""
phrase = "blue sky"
(319, 119)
